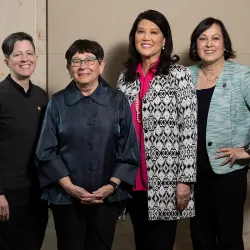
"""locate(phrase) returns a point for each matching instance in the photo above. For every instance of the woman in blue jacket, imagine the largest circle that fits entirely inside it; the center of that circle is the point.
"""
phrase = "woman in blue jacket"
(88, 153)
(223, 92)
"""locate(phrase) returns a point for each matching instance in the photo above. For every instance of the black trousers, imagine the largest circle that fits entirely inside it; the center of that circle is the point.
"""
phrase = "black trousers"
(85, 227)
(153, 235)
(219, 203)
(28, 220)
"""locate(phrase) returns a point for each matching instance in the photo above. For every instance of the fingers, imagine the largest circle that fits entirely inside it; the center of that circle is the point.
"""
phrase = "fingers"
(91, 202)
(221, 150)
(227, 160)
(182, 202)
(4, 213)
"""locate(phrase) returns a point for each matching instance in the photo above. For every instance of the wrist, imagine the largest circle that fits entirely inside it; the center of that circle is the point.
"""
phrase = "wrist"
(247, 148)
(113, 184)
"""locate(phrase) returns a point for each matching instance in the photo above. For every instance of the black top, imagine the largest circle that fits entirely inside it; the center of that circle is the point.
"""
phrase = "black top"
(20, 118)
(204, 98)
(90, 139)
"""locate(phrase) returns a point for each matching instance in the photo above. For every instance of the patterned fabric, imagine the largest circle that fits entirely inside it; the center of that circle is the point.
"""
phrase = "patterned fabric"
(228, 122)
(170, 130)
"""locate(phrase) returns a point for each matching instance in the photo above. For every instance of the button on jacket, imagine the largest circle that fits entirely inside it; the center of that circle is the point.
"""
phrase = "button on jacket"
(90, 139)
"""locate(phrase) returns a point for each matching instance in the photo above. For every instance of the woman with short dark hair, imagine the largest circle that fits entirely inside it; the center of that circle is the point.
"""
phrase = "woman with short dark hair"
(223, 92)
(163, 104)
(23, 216)
(87, 152)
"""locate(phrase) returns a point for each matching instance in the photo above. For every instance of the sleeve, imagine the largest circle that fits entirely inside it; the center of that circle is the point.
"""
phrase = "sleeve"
(245, 85)
(1, 185)
(187, 121)
(51, 167)
(128, 154)
(1, 174)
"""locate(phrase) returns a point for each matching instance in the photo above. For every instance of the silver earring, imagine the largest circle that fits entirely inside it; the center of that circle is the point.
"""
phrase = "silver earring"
(163, 48)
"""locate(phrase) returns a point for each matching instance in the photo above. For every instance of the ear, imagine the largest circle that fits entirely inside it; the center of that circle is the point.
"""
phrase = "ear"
(6, 61)
(102, 66)
(164, 42)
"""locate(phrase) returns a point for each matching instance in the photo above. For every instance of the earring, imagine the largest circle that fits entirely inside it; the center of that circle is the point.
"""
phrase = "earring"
(225, 52)
(163, 47)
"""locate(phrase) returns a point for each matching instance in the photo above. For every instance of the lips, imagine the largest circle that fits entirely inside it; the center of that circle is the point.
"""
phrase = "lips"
(25, 66)
(83, 74)
(209, 51)
(146, 45)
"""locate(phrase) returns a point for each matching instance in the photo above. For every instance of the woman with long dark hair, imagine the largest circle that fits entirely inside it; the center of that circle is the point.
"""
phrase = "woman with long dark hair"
(163, 105)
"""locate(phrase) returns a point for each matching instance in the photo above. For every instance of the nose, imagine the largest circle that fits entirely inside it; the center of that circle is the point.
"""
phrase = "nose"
(83, 65)
(146, 36)
(209, 43)
(24, 57)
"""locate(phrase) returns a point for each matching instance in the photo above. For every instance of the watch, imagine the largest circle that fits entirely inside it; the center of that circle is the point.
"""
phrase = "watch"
(113, 184)
(247, 148)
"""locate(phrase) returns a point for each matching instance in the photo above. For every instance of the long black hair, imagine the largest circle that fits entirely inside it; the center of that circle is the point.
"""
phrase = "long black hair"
(166, 58)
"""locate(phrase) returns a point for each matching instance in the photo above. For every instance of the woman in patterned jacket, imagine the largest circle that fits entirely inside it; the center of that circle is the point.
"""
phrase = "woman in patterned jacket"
(163, 105)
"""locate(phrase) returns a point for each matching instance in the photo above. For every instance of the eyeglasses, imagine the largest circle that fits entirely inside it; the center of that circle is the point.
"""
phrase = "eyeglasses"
(88, 61)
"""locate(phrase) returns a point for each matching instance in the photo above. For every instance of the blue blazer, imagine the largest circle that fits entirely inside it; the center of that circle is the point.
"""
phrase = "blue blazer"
(228, 123)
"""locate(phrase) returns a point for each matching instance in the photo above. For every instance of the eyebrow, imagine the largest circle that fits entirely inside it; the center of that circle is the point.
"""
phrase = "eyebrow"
(92, 57)
(150, 29)
(212, 35)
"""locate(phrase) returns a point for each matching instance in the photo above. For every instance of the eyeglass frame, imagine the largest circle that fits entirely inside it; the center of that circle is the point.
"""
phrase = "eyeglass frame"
(83, 60)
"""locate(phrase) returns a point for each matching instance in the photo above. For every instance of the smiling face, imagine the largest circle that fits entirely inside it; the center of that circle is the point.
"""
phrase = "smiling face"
(149, 40)
(85, 75)
(22, 61)
(210, 45)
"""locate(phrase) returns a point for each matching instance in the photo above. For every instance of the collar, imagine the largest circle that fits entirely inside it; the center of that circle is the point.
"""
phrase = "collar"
(20, 88)
(151, 70)
(101, 95)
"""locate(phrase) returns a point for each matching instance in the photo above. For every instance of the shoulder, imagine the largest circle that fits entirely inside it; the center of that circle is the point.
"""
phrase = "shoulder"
(121, 83)
(194, 68)
(58, 95)
(177, 72)
(235, 68)
(39, 90)
(4, 84)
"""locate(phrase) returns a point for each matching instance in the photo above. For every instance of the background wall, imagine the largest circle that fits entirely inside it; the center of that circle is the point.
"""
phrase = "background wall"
(28, 16)
(109, 23)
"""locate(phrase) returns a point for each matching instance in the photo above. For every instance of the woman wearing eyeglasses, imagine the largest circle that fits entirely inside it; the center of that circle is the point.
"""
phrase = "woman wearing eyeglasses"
(88, 153)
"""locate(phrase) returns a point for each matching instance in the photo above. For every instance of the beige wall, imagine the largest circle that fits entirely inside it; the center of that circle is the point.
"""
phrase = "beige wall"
(109, 23)
(28, 16)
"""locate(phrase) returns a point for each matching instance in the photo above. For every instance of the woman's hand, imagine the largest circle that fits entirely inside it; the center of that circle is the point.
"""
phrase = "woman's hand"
(182, 195)
(80, 193)
(4, 209)
(232, 154)
(105, 191)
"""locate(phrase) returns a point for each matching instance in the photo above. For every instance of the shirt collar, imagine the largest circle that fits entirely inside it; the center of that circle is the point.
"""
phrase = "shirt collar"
(20, 88)
(152, 69)
(101, 95)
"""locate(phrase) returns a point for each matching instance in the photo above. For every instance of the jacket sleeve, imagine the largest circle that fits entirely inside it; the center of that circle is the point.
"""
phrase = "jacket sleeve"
(127, 155)
(1, 185)
(51, 167)
(245, 85)
(187, 121)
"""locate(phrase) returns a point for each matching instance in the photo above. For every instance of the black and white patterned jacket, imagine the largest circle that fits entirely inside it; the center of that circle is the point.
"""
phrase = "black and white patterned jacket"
(169, 114)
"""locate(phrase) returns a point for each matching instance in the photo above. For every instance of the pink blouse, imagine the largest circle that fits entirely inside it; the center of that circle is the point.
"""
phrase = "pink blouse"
(141, 182)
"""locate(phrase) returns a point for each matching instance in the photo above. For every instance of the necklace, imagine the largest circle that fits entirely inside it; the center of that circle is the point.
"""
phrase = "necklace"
(215, 78)
(137, 109)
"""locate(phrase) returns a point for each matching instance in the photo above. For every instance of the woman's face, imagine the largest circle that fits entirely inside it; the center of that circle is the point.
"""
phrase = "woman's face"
(86, 74)
(210, 45)
(22, 61)
(149, 40)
